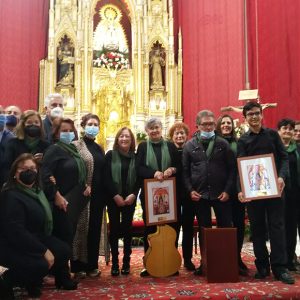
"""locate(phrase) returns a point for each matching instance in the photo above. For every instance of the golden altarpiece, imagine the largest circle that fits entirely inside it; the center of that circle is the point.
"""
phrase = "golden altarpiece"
(115, 58)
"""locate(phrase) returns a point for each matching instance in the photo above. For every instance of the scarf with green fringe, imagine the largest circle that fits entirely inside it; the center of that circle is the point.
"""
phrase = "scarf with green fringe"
(151, 160)
(293, 148)
(210, 142)
(31, 144)
(116, 170)
(72, 150)
(39, 195)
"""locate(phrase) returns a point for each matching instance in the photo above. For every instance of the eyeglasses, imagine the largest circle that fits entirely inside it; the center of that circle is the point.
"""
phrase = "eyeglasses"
(211, 124)
(252, 114)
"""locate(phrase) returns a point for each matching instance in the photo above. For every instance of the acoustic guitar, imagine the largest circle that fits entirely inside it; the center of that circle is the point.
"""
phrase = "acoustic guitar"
(162, 258)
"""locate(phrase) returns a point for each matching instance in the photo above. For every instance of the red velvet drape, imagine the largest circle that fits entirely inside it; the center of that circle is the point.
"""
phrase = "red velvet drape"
(274, 46)
(23, 38)
(213, 68)
(214, 62)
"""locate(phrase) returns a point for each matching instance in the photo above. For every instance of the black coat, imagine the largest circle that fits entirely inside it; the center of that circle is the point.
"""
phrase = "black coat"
(6, 136)
(16, 147)
(208, 176)
(21, 224)
(59, 163)
(110, 185)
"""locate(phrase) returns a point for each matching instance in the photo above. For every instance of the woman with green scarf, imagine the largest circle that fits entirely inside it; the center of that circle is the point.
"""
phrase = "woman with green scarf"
(123, 188)
(156, 158)
(29, 139)
(292, 190)
(225, 129)
(27, 247)
(64, 178)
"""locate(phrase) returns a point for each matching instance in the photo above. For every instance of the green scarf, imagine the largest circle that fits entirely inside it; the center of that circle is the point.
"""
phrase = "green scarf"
(71, 149)
(293, 148)
(116, 166)
(39, 195)
(211, 143)
(31, 144)
(233, 146)
(151, 160)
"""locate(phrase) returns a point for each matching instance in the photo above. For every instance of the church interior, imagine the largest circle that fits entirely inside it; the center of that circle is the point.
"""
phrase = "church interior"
(128, 61)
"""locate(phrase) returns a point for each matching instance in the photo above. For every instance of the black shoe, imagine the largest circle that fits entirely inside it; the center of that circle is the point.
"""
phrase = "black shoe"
(262, 273)
(144, 273)
(285, 277)
(66, 284)
(242, 265)
(34, 291)
(292, 267)
(125, 269)
(199, 271)
(189, 265)
(115, 271)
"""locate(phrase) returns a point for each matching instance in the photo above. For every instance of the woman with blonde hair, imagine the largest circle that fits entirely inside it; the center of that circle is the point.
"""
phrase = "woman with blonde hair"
(29, 139)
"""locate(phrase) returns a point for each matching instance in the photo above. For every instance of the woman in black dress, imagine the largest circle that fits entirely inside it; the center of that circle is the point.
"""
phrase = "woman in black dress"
(179, 134)
(27, 247)
(123, 189)
(87, 240)
(64, 174)
(225, 129)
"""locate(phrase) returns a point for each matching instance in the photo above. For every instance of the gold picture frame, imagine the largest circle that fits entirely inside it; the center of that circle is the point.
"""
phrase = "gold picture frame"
(160, 201)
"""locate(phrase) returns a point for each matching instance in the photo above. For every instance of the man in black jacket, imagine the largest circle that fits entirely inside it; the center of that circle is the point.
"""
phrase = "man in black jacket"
(259, 140)
(209, 174)
(54, 105)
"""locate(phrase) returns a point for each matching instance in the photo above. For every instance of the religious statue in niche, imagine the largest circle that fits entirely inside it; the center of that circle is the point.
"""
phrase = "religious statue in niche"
(109, 33)
(157, 64)
(65, 62)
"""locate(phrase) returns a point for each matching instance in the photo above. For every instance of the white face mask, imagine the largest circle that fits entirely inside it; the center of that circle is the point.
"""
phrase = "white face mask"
(56, 112)
(207, 135)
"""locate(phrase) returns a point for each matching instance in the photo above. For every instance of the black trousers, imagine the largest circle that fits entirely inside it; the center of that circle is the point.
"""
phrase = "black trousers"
(202, 210)
(62, 227)
(292, 212)
(273, 209)
(27, 269)
(238, 220)
(94, 233)
(187, 223)
(120, 226)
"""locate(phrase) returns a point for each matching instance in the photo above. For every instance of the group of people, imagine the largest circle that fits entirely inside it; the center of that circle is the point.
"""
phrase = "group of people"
(56, 185)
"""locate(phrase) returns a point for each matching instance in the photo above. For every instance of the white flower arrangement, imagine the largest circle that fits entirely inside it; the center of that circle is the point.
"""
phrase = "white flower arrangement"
(112, 61)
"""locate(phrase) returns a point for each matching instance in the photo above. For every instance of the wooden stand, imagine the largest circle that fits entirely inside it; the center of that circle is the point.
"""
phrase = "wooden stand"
(220, 261)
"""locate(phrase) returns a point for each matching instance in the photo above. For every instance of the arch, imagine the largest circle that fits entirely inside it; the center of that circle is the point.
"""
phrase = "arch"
(159, 39)
(62, 31)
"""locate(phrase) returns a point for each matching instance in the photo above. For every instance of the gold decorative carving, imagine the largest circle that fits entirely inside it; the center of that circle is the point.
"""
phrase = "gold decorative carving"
(122, 94)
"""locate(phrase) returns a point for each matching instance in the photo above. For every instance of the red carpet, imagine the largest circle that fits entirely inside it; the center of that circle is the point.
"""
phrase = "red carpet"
(184, 286)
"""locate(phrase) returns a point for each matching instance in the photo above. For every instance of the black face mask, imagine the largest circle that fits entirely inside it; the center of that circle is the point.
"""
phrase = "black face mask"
(32, 131)
(28, 177)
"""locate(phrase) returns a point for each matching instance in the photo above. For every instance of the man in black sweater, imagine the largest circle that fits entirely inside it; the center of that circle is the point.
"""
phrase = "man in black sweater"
(259, 140)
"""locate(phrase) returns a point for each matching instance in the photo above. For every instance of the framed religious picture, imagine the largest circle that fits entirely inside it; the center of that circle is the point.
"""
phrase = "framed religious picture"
(258, 177)
(160, 201)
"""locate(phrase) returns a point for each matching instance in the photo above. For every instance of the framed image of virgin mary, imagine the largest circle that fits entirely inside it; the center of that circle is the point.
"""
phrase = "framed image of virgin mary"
(160, 201)
(258, 177)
